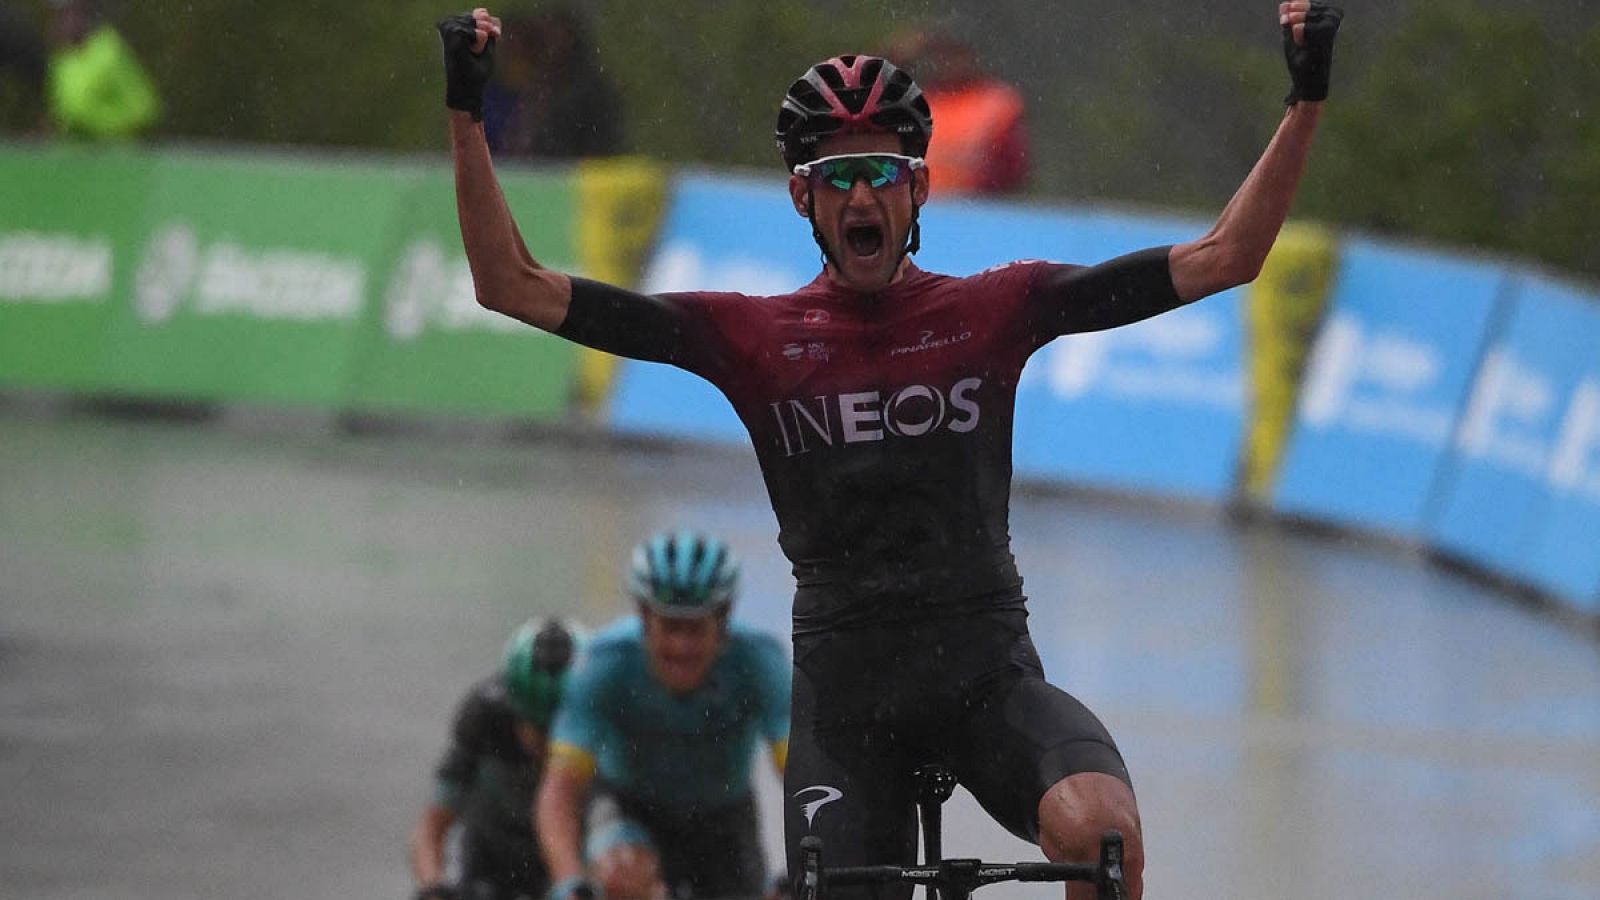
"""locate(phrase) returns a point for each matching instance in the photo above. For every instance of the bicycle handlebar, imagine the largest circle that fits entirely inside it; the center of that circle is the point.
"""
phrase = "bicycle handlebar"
(950, 870)
(962, 876)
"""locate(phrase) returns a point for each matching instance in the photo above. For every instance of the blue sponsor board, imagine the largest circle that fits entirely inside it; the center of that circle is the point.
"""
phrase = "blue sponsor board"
(1386, 383)
(1156, 407)
(1521, 493)
(719, 234)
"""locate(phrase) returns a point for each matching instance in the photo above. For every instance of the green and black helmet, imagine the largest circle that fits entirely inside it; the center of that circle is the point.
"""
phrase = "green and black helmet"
(683, 574)
(535, 667)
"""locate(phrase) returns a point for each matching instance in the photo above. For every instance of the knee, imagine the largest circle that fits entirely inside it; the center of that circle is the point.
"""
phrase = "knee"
(1078, 809)
(628, 872)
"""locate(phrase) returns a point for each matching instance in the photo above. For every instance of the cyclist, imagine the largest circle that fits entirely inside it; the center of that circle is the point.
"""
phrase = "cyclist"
(887, 453)
(487, 778)
(656, 736)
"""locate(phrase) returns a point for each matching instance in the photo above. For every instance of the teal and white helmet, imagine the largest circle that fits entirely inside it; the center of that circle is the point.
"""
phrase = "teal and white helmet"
(683, 574)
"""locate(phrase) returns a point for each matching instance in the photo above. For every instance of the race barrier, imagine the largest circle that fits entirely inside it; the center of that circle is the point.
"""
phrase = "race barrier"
(1521, 493)
(71, 220)
(1388, 378)
(303, 282)
(1333, 390)
(1435, 399)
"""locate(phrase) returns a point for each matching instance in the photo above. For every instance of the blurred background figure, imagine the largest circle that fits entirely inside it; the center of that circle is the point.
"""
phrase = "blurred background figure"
(550, 98)
(97, 88)
(980, 145)
(22, 72)
(490, 773)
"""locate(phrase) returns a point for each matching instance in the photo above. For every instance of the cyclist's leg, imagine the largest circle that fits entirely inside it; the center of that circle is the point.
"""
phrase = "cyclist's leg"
(485, 871)
(1046, 768)
(716, 854)
(620, 850)
(846, 783)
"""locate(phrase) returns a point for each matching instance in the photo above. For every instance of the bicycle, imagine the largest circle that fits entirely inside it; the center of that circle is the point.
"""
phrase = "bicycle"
(956, 879)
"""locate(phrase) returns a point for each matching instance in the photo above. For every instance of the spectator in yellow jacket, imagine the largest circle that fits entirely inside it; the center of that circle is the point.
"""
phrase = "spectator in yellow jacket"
(96, 87)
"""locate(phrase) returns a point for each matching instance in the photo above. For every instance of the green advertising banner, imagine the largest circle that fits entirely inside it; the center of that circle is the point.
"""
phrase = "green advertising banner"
(69, 229)
(427, 346)
(252, 278)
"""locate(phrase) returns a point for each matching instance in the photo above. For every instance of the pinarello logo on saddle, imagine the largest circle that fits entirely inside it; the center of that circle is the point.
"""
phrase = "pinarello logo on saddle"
(916, 410)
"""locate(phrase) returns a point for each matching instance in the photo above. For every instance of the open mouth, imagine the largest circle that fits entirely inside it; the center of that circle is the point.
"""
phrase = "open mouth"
(864, 240)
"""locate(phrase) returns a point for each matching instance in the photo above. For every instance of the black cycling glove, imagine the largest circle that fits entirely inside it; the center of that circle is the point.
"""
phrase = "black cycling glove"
(1311, 63)
(465, 72)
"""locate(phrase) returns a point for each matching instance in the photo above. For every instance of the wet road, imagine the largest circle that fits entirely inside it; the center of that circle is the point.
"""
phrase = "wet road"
(228, 652)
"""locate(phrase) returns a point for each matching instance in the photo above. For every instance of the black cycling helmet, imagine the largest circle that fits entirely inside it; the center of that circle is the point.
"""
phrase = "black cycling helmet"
(850, 94)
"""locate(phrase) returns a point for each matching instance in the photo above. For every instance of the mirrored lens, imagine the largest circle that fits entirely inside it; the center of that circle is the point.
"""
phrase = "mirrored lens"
(877, 171)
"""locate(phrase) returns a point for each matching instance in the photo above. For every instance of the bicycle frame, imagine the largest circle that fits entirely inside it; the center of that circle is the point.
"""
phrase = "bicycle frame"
(956, 879)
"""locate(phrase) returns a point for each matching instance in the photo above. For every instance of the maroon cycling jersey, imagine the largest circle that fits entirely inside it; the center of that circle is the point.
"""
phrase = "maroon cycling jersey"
(882, 422)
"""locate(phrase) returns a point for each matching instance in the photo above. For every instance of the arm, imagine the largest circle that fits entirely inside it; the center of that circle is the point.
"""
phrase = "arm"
(1235, 248)
(505, 275)
(454, 777)
(558, 812)
(1233, 251)
(427, 844)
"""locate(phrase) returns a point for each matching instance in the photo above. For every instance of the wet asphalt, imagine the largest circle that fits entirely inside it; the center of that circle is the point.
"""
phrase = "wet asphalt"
(229, 650)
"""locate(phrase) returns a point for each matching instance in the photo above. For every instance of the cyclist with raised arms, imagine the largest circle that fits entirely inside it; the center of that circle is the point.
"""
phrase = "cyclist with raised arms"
(887, 453)
(649, 792)
(488, 777)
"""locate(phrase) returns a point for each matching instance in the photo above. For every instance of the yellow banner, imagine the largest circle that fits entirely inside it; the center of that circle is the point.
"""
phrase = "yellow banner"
(620, 201)
(1285, 306)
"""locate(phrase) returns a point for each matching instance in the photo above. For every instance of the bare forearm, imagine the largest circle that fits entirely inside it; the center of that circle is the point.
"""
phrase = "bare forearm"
(505, 275)
(427, 845)
(557, 812)
(1233, 251)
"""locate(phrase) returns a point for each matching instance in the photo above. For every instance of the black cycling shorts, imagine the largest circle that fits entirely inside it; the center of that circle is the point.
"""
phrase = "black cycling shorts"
(495, 866)
(712, 853)
(872, 705)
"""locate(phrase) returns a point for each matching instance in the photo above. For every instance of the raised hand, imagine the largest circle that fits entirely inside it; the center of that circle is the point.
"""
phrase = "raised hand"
(1309, 29)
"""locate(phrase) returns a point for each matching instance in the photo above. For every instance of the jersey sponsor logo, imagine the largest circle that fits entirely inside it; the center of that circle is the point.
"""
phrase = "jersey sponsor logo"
(809, 809)
(929, 342)
(854, 418)
(809, 351)
(817, 317)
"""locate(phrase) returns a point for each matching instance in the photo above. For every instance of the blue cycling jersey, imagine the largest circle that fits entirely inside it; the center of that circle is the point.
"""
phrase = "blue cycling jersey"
(674, 751)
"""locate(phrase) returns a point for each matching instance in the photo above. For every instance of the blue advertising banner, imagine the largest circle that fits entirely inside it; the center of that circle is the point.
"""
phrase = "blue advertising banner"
(1525, 452)
(1388, 378)
(1155, 407)
(719, 234)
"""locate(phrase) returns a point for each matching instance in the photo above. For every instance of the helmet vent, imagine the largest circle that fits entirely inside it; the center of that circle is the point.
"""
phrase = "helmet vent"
(869, 72)
(831, 76)
(855, 98)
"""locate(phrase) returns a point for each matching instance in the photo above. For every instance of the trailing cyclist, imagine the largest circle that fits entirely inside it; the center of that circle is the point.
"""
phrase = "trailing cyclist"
(487, 779)
(649, 790)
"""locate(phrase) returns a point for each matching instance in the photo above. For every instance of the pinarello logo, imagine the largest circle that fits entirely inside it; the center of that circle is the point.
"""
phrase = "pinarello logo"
(816, 316)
